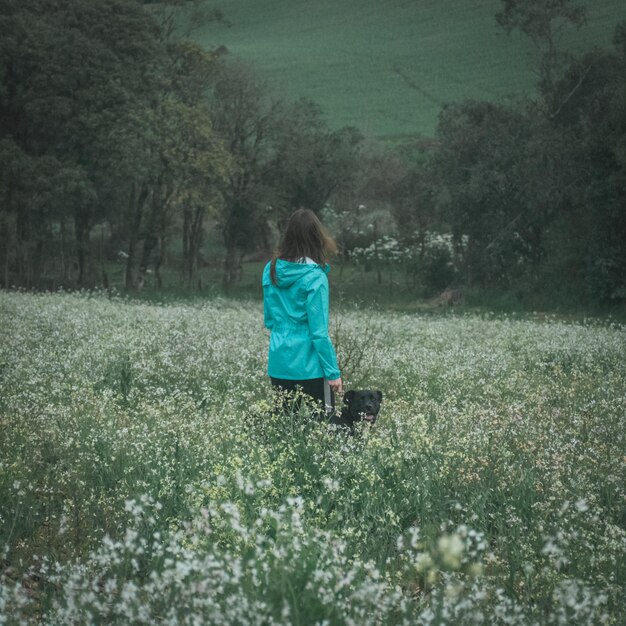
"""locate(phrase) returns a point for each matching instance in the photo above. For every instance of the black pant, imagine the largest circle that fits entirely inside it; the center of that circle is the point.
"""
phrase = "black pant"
(313, 387)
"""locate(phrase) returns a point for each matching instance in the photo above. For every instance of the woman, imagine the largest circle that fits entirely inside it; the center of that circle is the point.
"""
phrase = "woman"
(295, 302)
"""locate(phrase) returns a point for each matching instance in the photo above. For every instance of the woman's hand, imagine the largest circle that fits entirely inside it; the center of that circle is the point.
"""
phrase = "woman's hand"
(336, 385)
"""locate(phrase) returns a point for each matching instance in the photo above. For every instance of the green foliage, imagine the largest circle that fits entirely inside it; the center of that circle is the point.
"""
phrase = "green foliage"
(71, 90)
(311, 163)
(544, 24)
(134, 140)
(437, 268)
(285, 158)
(536, 190)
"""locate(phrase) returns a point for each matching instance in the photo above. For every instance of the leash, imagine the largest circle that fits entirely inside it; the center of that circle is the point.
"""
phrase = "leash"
(327, 398)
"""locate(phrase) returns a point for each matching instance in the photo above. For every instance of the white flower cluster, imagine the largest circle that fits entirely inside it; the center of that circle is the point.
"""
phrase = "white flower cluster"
(251, 580)
(147, 475)
(387, 249)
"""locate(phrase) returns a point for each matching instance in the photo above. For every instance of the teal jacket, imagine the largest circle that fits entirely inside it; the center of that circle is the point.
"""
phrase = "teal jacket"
(296, 312)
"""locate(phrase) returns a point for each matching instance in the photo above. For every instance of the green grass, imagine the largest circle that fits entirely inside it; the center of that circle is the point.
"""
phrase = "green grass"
(388, 67)
(354, 287)
(145, 476)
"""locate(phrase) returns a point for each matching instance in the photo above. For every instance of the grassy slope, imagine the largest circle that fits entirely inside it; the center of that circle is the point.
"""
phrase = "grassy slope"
(386, 66)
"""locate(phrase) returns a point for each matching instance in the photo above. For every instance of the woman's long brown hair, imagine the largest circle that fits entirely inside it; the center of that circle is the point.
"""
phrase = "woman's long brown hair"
(304, 237)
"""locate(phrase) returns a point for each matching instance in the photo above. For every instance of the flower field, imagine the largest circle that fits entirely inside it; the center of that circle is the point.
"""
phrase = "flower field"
(146, 477)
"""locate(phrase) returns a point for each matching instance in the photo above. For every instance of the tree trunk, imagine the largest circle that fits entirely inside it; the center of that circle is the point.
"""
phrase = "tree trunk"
(7, 249)
(38, 264)
(63, 259)
(193, 221)
(81, 231)
(187, 265)
(196, 237)
(155, 228)
(22, 243)
(133, 278)
(230, 263)
(158, 261)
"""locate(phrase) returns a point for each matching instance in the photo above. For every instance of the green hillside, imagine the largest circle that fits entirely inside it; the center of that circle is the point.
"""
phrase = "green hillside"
(386, 66)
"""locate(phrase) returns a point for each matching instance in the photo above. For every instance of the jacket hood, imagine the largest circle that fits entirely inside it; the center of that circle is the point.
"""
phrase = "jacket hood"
(288, 272)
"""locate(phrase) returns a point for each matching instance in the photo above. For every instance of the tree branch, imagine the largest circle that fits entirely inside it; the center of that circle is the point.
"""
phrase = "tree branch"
(576, 87)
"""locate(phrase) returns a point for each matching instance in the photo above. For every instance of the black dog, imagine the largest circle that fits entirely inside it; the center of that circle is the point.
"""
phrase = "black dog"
(362, 405)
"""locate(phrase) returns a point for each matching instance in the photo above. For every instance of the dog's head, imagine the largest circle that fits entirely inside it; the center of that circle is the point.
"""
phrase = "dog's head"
(363, 404)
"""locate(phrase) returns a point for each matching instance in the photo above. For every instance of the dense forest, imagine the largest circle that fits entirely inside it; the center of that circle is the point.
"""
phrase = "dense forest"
(122, 140)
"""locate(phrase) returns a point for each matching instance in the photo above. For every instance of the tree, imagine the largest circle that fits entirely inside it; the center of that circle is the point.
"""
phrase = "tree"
(593, 115)
(68, 85)
(178, 19)
(488, 167)
(544, 22)
(579, 152)
(284, 157)
(188, 162)
(244, 116)
(110, 124)
(310, 162)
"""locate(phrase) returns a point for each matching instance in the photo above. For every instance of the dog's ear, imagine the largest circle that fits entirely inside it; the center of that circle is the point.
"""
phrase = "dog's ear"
(348, 397)
(380, 396)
